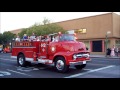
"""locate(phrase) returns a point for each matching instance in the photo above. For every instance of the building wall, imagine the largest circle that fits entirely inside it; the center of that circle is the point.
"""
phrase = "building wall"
(96, 26)
(116, 25)
(116, 31)
(16, 31)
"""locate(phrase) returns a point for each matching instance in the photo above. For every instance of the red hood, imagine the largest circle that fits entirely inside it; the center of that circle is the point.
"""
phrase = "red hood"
(74, 46)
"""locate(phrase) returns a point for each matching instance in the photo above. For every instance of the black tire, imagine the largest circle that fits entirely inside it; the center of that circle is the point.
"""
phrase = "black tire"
(21, 60)
(80, 66)
(60, 65)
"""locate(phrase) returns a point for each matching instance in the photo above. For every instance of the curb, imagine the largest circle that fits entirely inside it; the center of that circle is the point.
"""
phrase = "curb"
(107, 57)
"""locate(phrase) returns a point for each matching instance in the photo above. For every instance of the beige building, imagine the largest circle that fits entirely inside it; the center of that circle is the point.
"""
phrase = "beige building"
(16, 31)
(94, 31)
(97, 32)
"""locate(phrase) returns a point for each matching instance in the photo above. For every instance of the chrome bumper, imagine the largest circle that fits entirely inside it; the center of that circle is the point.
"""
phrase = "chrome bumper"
(79, 63)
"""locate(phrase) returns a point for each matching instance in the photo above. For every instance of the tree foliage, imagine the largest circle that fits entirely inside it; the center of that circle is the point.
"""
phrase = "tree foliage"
(23, 31)
(43, 28)
(1, 38)
(6, 37)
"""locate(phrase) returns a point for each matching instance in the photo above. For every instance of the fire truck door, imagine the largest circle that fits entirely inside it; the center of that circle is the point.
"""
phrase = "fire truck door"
(44, 48)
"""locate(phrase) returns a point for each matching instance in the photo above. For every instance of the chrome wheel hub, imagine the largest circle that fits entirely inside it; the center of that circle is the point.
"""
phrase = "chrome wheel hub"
(60, 65)
(21, 61)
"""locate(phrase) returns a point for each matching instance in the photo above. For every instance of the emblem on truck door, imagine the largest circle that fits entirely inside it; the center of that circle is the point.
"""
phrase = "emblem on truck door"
(43, 49)
(43, 45)
(53, 49)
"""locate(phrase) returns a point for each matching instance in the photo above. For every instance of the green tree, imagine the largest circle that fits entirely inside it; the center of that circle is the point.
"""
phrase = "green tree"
(45, 21)
(23, 31)
(1, 38)
(44, 28)
(7, 37)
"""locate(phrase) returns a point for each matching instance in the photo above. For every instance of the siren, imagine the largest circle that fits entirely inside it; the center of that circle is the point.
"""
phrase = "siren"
(59, 33)
(75, 36)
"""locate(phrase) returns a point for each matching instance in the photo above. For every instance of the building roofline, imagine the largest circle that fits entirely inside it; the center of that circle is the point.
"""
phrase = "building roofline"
(85, 17)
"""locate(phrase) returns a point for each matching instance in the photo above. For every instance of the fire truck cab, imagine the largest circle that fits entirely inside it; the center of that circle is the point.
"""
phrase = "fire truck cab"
(62, 50)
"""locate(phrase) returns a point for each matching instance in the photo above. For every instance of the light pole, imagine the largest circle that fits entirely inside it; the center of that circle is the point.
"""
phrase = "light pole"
(108, 32)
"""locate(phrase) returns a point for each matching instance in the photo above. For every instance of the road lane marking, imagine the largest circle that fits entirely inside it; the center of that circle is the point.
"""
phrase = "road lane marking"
(18, 72)
(27, 69)
(5, 64)
(7, 59)
(97, 64)
(87, 69)
(4, 56)
(20, 69)
(3, 73)
(79, 74)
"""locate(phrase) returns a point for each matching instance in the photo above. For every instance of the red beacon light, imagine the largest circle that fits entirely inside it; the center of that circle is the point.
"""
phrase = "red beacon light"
(74, 34)
(59, 33)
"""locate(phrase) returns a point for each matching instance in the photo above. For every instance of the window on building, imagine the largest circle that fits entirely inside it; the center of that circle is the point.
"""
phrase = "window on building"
(81, 30)
(117, 43)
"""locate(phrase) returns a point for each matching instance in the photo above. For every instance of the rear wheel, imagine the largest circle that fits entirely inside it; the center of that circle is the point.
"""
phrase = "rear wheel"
(21, 60)
(80, 66)
(60, 65)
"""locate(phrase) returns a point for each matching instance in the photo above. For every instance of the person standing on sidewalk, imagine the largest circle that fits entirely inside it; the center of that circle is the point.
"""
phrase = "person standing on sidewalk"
(116, 51)
(108, 52)
(112, 51)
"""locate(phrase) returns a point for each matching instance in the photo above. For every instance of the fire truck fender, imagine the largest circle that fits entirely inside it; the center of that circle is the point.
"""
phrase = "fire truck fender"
(61, 54)
(21, 60)
(24, 62)
(19, 54)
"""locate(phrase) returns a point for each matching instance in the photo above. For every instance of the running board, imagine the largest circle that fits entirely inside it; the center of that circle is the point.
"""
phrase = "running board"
(45, 61)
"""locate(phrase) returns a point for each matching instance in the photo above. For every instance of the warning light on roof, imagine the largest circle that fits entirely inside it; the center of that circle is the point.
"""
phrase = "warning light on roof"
(59, 32)
(74, 34)
(76, 38)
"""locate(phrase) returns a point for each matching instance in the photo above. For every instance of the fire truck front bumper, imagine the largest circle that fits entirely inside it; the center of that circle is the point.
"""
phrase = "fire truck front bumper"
(79, 62)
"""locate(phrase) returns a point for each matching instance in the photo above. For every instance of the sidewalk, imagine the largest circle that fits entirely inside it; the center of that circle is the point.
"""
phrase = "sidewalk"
(103, 56)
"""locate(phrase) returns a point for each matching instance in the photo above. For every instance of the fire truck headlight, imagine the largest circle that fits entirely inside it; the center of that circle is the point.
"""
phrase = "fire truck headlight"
(74, 57)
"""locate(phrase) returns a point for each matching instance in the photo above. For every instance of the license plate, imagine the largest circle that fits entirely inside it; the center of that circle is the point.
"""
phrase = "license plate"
(84, 62)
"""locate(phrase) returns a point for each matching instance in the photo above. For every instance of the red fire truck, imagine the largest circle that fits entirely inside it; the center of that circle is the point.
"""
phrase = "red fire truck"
(63, 52)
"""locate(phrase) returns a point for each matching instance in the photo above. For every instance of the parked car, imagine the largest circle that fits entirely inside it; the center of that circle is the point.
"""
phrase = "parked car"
(1, 48)
(6, 50)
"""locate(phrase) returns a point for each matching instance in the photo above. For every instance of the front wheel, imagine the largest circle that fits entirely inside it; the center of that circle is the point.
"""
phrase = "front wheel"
(21, 60)
(80, 66)
(60, 65)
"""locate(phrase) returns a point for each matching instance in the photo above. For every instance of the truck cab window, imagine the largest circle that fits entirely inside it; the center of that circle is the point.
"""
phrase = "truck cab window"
(66, 37)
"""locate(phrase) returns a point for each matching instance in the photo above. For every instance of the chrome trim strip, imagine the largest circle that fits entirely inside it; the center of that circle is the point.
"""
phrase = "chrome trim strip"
(29, 59)
(78, 63)
(45, 61)
(82, 55)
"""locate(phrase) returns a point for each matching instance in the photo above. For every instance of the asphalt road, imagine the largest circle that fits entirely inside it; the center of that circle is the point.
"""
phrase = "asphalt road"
(97, 68)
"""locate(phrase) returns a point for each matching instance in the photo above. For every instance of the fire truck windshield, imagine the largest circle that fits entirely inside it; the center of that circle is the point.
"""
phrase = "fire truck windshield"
(67, 37)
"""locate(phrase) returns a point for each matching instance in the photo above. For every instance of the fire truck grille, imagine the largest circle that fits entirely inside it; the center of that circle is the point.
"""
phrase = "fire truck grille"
(82, 55)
